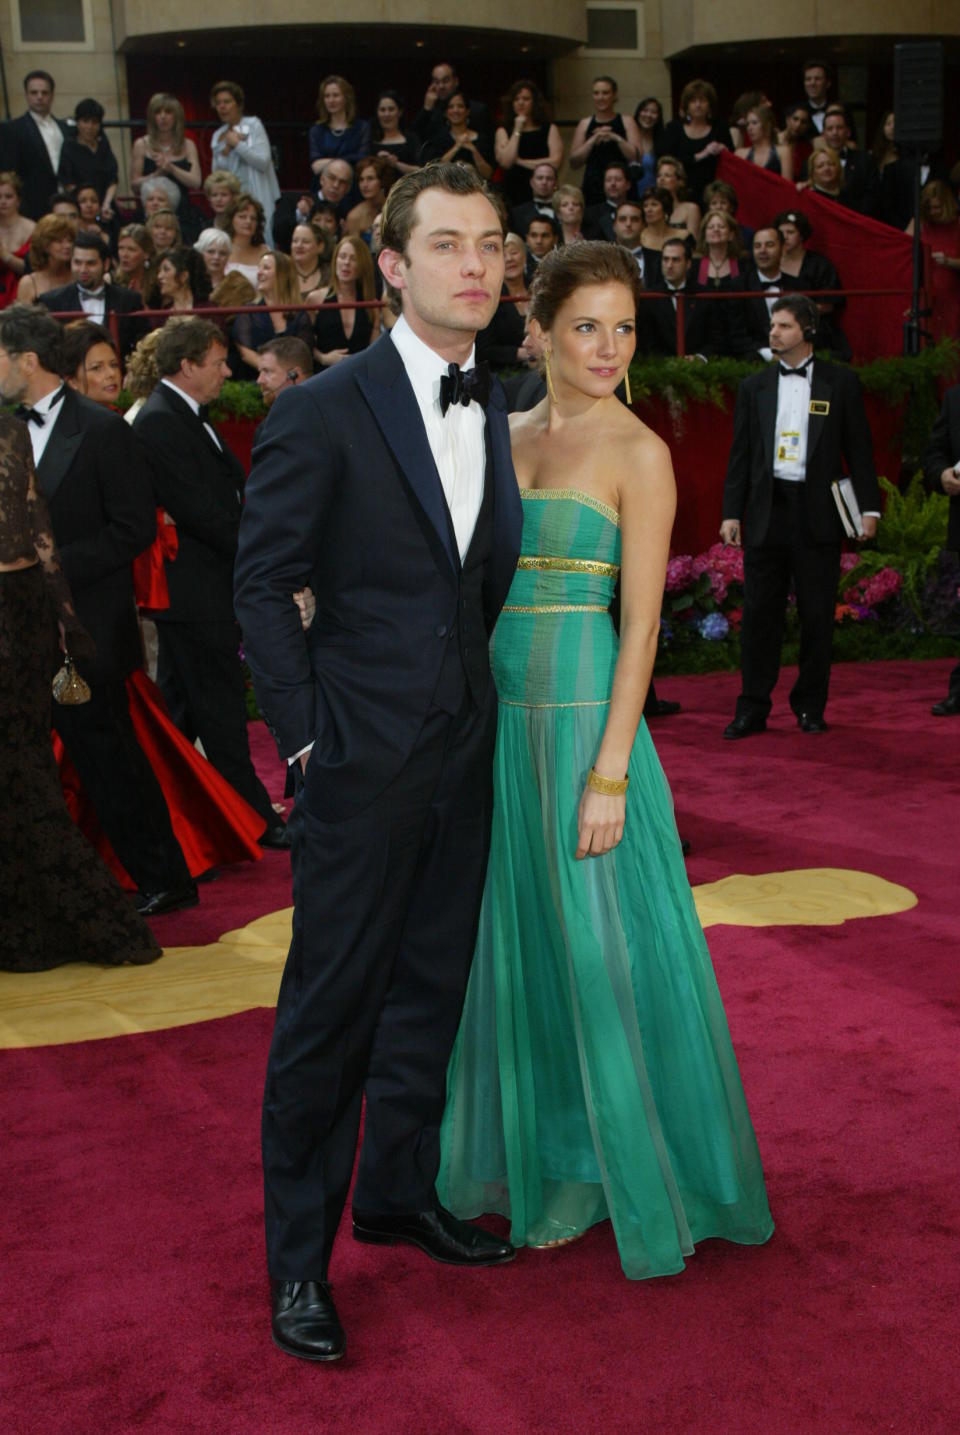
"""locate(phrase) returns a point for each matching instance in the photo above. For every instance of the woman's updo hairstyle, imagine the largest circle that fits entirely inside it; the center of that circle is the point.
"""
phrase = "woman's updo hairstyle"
(563, 271)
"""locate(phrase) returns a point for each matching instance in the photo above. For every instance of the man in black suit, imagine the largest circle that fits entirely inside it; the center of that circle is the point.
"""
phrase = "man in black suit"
(93, 474)
(387, 707)
(658, 317)
(598, 218)
(743, 328)
(543, 183)
(794, 426)
(31, 145)
(941, 472)
(92, 293)
(199, 482)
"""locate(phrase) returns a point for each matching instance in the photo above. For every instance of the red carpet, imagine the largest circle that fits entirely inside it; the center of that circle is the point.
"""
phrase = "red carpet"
(132, 1249)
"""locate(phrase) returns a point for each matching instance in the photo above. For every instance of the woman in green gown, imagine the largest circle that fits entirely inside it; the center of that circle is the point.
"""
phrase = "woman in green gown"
(593, 1076)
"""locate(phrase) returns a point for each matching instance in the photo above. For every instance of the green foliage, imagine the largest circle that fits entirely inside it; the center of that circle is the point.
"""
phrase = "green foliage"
(681, 380)
(911, 384)
(911, 534)
(238, 400)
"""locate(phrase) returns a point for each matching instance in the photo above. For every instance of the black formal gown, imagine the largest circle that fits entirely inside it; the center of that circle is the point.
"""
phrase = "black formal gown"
(58, 902)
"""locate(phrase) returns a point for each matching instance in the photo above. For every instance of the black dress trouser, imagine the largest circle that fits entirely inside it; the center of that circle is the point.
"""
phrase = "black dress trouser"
(386, 906)
(200, 676)
(100, 741)
(788, 554)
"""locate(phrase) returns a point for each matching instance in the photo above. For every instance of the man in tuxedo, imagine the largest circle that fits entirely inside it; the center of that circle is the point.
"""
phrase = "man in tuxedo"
(199, 482)
(543, 183)
(794, 426)
(542, 237)
(336, 186)
(658, 317)
(941, 473)
(627, 227)
(743, 329)
(386, 711)
(32, 144)
(598, 218)
(816, 91)
(93, 474)
(92, 293)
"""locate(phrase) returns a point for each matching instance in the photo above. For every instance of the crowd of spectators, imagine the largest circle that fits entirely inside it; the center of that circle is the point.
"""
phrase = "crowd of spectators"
(185, 240)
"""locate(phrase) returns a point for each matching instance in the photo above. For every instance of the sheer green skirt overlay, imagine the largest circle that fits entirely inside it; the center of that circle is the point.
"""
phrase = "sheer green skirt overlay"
(593, 1074)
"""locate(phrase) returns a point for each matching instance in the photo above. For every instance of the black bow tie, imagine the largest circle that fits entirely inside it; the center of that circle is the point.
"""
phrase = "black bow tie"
(34, 416)
(800, 373)
(459, 387)
(91, 293)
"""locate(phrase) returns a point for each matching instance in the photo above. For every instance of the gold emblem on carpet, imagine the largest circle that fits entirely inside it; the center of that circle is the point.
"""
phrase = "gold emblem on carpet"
(242, 969)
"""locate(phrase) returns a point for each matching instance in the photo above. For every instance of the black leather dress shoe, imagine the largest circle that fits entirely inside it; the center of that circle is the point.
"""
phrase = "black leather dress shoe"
(811, 722)
(152, 904)
(305, 1321)
(276, 837)
(950, 707)
(661, 707)
(442, 1236)
(743, 726)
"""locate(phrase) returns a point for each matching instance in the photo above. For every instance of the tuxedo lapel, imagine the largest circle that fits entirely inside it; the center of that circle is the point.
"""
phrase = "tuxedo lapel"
(392, 402)
(767, 411)
(185, 413)
(820, 391)
(61, 448)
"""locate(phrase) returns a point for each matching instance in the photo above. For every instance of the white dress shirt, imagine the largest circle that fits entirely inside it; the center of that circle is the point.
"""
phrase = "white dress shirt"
(50, 407)
(93, 302)
(52, 136)
(793, 422)
(455, 439)
(187, 399)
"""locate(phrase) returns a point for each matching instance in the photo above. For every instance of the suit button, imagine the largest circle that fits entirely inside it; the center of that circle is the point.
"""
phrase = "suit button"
(441, 630)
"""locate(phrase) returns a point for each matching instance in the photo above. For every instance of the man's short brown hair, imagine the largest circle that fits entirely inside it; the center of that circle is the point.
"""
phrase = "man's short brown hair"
(191, 340)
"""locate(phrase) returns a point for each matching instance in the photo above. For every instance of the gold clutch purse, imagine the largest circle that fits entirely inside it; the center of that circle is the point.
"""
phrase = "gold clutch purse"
(69, 688)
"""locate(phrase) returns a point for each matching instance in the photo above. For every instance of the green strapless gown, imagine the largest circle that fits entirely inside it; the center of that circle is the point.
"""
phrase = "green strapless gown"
(593, 1075)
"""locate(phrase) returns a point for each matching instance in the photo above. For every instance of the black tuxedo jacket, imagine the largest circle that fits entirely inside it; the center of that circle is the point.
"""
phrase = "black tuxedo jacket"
(598, 222)
(23, 150)
(94, 476)
(201, 487)
(744, 325)
(344, 495)
(521, 216)
(658, 322)
(117, 300)
(943, 451)
(837, 439)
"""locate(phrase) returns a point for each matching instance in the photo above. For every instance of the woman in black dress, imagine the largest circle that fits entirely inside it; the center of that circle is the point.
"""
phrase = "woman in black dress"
(277, 283)
(58, 903)
(88, 159)
(459, 144)
(698, 137)
(603, 137)
(387, 138)
(339, 332)
(531, 139)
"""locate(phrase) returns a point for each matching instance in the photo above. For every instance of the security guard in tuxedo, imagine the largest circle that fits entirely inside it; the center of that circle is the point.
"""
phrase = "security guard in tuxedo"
(796, 426)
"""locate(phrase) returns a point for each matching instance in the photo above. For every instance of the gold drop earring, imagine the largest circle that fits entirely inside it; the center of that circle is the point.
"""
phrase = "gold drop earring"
(550, 389)
(626, 385)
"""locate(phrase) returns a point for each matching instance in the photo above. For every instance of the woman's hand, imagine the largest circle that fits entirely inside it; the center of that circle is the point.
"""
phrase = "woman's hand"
(333, 356)
(307, 603)
(600, 822)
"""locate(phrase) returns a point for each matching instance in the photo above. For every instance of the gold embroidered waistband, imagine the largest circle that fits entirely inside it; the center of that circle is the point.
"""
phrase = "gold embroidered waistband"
(586, 703)
(554, 608)
(569, 565)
